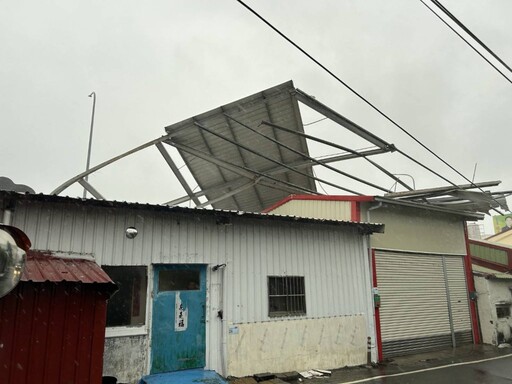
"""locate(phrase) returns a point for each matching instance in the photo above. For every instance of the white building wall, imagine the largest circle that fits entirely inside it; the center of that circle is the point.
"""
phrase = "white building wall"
(316, 209)
(415, 229)
(332, 259)
(490, 292)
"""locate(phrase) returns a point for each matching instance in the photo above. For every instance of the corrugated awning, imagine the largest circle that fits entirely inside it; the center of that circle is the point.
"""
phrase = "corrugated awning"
(491, 273)
(44, 267)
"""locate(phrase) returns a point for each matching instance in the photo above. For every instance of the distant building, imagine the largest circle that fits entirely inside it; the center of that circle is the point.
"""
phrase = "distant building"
(475, 230)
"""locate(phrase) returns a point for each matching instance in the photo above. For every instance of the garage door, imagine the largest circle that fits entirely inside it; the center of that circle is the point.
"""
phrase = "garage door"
(424, 303)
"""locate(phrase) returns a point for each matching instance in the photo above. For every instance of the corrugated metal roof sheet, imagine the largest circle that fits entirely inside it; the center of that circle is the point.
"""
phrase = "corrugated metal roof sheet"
(43, 266)
(229, 122)
(367, 228)
(491, 273)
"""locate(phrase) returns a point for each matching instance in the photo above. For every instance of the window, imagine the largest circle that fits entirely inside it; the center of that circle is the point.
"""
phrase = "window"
(286, 296)
(502, 310)
(178, 280)
(128, 305)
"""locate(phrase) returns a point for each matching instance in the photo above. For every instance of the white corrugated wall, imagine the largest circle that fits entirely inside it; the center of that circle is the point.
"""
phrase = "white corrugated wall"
(332, 259)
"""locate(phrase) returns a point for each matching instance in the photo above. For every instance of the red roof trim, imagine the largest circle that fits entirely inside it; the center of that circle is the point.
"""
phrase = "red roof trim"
(489, 264)
(43, 266)
(319, 198)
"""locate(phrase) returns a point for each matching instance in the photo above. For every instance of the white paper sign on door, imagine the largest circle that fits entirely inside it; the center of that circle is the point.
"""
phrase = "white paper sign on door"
(180, 315)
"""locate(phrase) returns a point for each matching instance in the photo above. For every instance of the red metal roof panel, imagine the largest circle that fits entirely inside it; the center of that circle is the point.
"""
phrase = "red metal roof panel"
(43, 266)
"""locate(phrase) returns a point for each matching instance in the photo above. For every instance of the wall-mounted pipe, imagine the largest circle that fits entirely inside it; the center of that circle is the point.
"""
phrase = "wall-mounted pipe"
(7, 217)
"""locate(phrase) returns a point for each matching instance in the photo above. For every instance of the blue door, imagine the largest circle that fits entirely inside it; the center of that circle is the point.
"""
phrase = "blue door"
(178, 324)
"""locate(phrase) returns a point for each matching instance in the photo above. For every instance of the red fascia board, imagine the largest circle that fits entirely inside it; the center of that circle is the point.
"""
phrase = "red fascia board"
(319, 198)
(471, 287)
(494, 246)
(489, 264)
(498, 247)
(378, 330)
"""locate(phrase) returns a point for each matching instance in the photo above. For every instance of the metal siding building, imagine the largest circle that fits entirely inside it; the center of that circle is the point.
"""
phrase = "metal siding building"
(331, 257)
(419, 269)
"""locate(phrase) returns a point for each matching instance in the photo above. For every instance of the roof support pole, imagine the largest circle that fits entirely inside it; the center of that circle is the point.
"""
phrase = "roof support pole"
(268, 180)
(343, 149)
(230, 193)
(311, 158)
(177, 173)
(341, 120)
(75, 179)
(278, 170)
(89, 188)
(274, 161)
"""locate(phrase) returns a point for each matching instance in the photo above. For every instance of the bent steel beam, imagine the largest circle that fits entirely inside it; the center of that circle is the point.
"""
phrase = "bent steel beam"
(75, 179)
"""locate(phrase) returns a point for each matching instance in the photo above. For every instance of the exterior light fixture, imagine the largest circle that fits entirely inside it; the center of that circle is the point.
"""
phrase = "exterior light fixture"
(131, 232)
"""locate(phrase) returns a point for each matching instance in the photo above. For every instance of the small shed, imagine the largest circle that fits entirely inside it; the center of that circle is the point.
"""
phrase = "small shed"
(52, 325)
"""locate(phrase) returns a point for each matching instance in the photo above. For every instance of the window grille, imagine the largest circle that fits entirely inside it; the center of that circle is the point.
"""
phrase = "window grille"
(286, 296)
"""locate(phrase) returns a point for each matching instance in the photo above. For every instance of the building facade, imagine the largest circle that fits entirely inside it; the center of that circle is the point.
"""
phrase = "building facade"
(421, 269)
(238, 293)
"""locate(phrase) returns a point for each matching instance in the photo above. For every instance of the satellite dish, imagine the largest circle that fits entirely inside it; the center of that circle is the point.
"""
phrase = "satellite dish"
(12, 258)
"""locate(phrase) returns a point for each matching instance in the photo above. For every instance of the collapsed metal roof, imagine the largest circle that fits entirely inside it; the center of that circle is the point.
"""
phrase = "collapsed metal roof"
(249, 154)
(457, 197)
(224, 156)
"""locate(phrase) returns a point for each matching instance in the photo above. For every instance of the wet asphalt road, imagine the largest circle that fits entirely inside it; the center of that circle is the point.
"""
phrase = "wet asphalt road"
(497, 371)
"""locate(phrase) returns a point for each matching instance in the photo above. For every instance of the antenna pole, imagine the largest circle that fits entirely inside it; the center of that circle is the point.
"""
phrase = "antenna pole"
(93, 95)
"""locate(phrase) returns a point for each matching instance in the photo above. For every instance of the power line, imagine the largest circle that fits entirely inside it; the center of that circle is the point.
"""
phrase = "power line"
(364, 99)
(465, 29)
(314, 122)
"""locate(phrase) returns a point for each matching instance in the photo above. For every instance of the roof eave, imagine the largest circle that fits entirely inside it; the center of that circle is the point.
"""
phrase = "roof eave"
(464, 214)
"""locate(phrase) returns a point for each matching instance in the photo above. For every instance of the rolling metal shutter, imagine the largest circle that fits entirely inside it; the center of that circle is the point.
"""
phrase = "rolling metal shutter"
(461, 316)
(415, 311)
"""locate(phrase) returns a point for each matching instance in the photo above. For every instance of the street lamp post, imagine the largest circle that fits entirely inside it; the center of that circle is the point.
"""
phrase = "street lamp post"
(93, 95)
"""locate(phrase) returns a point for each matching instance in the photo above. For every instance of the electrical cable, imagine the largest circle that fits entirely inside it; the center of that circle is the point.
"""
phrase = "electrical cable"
(463, 27)
(332, 74)
(314, 122)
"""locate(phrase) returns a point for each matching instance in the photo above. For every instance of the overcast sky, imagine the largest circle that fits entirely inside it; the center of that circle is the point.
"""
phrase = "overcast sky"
(156, 63)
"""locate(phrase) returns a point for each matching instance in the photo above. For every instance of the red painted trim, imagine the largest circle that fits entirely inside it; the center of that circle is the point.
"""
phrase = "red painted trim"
(494, 246)
(377, 310)
(489, 264)
(319, 198)
(498, 247)
(355, 211)
(471, 287)
(278, 204)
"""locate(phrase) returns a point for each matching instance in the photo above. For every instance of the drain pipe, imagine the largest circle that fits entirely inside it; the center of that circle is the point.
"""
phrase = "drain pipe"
(373, 347)
(222, 316)
(7, 217)
(372, 209)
